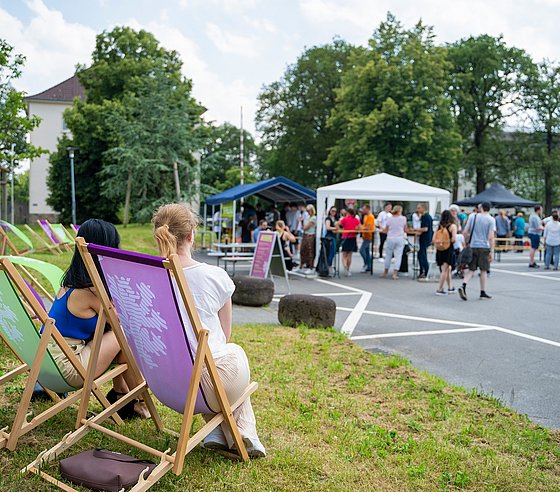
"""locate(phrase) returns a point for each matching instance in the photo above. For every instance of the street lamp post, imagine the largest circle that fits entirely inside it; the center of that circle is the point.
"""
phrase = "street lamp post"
(73, 184)
(12, 200)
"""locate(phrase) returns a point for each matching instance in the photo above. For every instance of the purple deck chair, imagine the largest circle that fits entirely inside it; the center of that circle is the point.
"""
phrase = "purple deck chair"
(45, 226)
(166, 349)
(146, 301)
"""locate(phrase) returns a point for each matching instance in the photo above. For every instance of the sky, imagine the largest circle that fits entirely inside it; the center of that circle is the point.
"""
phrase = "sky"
(231, 48)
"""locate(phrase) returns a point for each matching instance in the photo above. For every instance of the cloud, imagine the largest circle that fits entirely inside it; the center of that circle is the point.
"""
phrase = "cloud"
(223, 98)
(531, 25)
(230, 43)
(52, 46)
(228, 6)
(261, 24)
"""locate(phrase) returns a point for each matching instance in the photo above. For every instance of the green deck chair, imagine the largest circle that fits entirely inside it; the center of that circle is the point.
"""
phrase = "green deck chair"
(52, 273)
(31, 347)
(5, 228)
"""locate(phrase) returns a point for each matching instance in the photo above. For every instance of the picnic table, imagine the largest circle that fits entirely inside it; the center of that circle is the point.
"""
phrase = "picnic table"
(232, 253)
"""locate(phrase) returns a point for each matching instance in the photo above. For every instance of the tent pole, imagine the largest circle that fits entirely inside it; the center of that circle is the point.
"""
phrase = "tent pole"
(233, 230)
(220, 231)
(212, 236)
(204, 228)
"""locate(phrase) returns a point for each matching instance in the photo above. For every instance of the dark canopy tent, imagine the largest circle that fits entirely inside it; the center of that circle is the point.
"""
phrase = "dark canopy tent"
(498, 197)
(276, 190)
(279, 189)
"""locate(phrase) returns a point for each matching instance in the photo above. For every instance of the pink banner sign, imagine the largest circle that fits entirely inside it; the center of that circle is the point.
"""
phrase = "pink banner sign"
(263, 254)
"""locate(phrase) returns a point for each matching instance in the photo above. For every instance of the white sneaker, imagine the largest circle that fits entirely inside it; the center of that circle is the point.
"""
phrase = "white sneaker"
(215, 440)
(364, 269)
(348, 274)
(255, 449)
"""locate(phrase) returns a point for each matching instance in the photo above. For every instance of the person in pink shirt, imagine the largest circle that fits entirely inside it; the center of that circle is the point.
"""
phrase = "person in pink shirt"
(350, 224)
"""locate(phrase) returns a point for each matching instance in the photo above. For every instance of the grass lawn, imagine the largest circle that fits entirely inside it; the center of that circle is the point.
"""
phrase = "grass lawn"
(333, 417)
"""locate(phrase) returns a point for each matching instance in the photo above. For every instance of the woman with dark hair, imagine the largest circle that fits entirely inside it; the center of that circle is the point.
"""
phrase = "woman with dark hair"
(444, 241)
(75, 310)
(350, 225)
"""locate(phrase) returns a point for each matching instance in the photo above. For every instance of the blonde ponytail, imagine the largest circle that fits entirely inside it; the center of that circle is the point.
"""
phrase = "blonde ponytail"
(173, 223)
(167, 243)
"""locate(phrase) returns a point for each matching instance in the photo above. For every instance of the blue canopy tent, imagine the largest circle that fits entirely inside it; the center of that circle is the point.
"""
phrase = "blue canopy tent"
(279, 189)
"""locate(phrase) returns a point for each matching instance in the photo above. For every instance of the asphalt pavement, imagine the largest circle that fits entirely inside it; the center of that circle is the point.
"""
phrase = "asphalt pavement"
(508, 347)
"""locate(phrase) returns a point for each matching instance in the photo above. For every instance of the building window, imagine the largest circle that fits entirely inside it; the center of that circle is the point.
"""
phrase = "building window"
(64, 127)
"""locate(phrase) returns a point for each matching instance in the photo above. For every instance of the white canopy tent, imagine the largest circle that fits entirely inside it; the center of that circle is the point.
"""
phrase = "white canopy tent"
(379, 187)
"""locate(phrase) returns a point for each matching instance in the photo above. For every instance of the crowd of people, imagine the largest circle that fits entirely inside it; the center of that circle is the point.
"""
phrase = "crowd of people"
(385, 236)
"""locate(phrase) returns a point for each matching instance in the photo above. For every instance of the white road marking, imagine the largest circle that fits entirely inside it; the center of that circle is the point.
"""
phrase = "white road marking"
(355, 315)
(418, 318)
(529, 337)
(472, 327)
(524, 274)
(419, 333)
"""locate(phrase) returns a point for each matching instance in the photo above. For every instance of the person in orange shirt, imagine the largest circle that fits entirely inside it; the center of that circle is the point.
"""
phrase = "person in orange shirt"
(368, 227)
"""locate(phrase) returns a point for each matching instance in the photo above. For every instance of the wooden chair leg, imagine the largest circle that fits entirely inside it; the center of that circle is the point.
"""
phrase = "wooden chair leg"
(188, 413)
(28, 392)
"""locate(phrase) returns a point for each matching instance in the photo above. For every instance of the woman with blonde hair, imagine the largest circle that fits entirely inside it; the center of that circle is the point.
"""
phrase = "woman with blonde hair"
(287, 239)
(175, 230)
(307, 251)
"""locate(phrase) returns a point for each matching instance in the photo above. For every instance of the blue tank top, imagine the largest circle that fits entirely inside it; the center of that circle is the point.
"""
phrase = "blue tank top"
(69, 325)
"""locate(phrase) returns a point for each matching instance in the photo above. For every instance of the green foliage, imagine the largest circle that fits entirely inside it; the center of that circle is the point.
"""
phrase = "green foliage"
(543, 102)
(138, 119)
(220, 159)
(152, 127)
(488, 81)
(21, 187)
(392, 111)
(294, 111)
(14, 123)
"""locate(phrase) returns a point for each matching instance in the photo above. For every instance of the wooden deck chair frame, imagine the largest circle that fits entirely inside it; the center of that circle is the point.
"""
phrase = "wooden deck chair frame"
(51, 272)
(59, 230)
(168, 462)
(6, 241)
(52, 236)
(20, 425)
(53, 248)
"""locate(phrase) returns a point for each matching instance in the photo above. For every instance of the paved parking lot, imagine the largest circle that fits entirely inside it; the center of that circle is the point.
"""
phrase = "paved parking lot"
(508, 347)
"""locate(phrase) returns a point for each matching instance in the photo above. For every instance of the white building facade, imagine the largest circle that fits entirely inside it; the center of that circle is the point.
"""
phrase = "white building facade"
(48, 105)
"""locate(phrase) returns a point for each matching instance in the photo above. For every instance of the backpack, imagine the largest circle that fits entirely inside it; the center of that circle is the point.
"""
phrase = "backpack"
(442, 239)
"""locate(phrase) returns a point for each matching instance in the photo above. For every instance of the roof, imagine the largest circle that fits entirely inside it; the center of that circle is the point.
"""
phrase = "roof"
(64, 92)
(278, 189)
(383, 186)
(498, 196)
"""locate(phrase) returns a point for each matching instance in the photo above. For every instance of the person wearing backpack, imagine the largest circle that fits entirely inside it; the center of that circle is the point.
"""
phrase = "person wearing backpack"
(444, 241)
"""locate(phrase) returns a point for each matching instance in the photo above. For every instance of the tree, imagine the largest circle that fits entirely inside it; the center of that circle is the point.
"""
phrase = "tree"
(543, 102)
(293, 114)
(138, 118)
(153, 129)
(392, 112)
(14, 123)
(488, 79)
(220, 158)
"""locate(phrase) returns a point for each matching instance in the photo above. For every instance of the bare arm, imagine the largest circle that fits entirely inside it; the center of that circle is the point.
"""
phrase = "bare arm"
(225, 315)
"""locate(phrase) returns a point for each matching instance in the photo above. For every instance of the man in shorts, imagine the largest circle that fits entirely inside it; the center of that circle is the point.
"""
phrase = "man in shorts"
(483, 227)
(534, 233)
